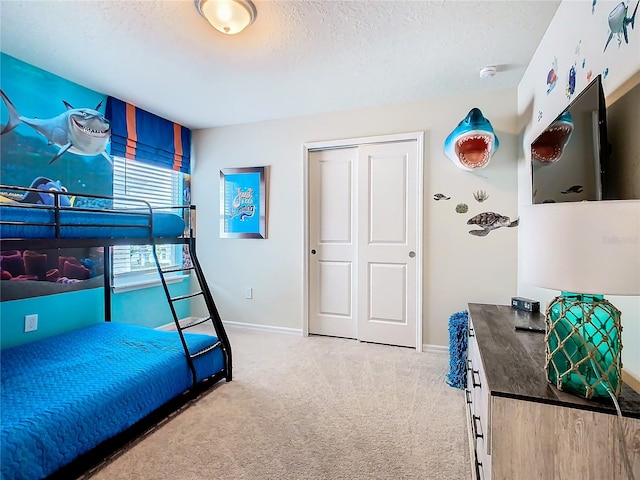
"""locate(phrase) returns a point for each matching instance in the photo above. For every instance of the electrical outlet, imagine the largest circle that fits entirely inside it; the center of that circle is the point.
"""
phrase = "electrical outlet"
(31, 322)
(248, 293)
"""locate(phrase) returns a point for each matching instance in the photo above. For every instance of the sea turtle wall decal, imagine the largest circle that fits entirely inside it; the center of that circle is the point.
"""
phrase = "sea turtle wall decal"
(488, 221)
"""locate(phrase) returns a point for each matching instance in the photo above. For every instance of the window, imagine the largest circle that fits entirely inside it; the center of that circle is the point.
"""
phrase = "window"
(160, 187)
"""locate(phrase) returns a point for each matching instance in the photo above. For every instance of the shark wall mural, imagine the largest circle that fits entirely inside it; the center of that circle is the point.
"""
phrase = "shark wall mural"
(82, 131)
(52, 128)
(472, 143)
(53, 136)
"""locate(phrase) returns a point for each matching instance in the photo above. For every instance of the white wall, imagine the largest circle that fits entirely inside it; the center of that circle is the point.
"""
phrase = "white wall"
(576, 36)
(458, 267)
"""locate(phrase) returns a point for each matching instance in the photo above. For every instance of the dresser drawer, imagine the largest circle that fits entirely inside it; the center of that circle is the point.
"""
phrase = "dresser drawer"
(483, 459)
(479, 393)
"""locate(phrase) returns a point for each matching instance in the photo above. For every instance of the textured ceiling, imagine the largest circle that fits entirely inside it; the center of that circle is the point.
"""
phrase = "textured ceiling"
(298, 58)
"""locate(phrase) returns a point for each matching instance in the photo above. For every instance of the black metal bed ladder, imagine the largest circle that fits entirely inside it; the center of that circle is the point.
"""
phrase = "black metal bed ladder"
(203, 292)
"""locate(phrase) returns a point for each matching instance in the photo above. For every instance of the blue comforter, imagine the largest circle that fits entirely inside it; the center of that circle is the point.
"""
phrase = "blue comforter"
(64, 395)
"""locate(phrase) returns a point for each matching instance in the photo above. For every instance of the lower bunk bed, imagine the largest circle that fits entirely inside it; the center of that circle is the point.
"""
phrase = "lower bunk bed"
(65, 395)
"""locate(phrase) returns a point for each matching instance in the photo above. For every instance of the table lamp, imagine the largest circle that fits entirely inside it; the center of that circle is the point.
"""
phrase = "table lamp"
(585, 250)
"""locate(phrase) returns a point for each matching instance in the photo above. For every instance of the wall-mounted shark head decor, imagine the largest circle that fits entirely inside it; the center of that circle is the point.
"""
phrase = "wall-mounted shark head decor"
(472, 143)
(549, 146)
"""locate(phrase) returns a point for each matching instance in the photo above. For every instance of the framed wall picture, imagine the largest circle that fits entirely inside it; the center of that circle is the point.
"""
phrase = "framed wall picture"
(243, 200)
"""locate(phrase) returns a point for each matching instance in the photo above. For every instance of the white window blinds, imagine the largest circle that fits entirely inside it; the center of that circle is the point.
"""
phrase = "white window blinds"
(161, 188)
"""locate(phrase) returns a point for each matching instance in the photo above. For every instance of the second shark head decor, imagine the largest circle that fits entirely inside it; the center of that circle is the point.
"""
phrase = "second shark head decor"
(549, 145)
(472, 143)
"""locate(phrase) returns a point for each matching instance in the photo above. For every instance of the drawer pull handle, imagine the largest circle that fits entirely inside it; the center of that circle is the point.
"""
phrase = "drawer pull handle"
(472, 332)
(473, 378)
(467, 395)
(475, 427)
(480, 470)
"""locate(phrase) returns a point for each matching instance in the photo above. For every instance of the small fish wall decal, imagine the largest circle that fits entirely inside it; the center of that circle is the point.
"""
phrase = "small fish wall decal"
(552, 76)
(440, 196)
(571, 82)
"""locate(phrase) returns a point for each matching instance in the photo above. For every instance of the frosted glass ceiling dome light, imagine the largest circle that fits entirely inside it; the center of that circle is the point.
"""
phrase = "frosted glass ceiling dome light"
(228, 16)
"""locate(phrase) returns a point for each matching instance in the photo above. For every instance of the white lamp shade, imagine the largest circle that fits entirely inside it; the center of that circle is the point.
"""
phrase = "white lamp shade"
(582, 247)
(227, 16)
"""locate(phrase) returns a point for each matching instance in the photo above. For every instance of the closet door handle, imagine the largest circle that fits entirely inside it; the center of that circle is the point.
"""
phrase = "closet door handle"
(313, 251)
(412, 254)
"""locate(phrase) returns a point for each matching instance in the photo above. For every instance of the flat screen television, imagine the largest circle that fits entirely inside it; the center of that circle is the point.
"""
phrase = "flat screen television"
(569, 158)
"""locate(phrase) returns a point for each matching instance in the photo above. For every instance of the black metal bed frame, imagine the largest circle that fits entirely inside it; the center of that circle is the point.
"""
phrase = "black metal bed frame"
(141, 208)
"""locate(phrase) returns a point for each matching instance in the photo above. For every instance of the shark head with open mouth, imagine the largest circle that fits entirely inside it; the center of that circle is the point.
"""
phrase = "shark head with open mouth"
(88, 130)
(472, 143)
(549, 145)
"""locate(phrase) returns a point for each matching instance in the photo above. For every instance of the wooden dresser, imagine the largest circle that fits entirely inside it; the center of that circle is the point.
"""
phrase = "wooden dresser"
(520, 426)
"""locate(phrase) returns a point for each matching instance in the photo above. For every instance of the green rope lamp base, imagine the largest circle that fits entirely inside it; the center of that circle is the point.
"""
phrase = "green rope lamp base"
(582, 344)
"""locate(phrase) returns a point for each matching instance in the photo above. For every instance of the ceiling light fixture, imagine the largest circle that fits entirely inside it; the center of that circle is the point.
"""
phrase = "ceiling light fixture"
(228, 16)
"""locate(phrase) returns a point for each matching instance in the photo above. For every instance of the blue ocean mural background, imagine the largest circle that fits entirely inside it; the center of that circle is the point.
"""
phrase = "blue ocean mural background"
(25, 153)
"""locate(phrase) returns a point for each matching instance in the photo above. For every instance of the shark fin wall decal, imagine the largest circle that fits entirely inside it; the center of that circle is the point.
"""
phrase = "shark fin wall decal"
(472, 143)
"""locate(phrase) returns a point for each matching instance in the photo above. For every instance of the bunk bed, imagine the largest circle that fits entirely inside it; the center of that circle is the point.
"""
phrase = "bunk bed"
(64, 396)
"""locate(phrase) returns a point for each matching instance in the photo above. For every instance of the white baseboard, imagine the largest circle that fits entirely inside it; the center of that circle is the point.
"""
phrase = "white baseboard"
(435, 348)
(264, 328)
(250, 326)
(288, 331)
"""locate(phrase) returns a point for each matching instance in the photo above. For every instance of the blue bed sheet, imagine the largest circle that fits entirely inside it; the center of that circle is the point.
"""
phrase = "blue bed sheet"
(64, 395)
(93, 224)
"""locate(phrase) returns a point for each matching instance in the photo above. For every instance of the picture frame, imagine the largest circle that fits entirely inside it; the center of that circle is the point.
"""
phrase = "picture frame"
(243, 201)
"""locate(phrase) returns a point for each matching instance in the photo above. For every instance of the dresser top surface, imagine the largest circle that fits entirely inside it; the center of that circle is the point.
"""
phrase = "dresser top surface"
(513, 361)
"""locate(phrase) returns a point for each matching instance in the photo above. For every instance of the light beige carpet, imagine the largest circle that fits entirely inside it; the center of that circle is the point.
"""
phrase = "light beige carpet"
(312, 408)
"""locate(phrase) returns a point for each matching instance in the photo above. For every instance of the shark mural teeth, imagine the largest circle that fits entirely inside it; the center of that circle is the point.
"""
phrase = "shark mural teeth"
(82, 131)
(472, 143)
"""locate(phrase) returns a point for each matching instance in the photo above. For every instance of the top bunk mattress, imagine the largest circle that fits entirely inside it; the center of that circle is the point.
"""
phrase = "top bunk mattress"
(64, 395)
(35, 222)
